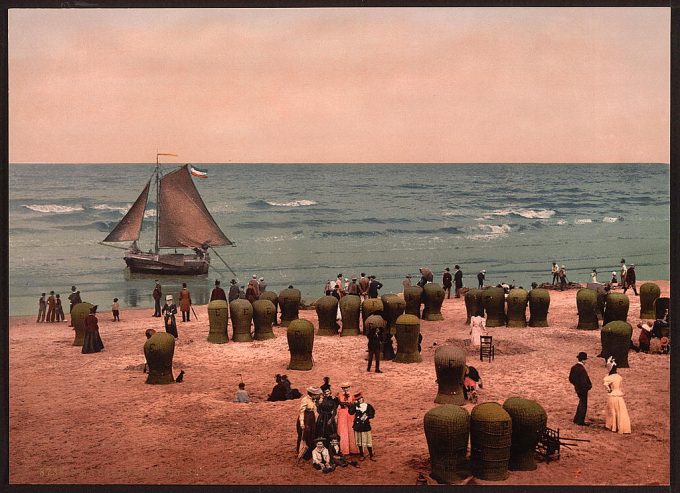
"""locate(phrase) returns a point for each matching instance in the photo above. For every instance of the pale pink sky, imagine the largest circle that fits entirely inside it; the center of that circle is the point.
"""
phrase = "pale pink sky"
(340, 85)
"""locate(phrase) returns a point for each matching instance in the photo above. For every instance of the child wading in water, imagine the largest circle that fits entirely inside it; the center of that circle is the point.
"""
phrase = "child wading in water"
(115, 309)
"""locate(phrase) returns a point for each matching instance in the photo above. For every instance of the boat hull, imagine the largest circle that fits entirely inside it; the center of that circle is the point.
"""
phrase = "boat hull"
(177, 264)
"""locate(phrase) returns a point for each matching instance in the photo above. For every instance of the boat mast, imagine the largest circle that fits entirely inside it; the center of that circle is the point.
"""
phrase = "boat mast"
(158, 193)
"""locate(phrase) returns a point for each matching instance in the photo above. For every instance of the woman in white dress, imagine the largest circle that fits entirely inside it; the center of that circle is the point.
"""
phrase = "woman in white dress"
(617, 418)
(477, 328)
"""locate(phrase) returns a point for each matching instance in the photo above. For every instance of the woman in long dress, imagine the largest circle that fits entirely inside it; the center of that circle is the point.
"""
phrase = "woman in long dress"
(617, 418)
(348, 444)
(306, 423)
(92, 343)
(170, 310)
(325, 422)
(477, 329)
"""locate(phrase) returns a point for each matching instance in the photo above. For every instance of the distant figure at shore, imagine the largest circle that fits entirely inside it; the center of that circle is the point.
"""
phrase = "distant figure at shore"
(555, 270)
(51, 304)
(92, 342)
(115, 310)
(563, 277)
(157, 294)
(364, 283)
(233, 291)
(59, 310)
(170, 310)
(42, 308)
(447, 282)
(480, 278)
(74, 301)
(217, 292)
(406, 283)
(426, 276)
(241, 394)
(593, 276)
(458, 280)
(353, 287)
(255, 285)
(373, 287)
(624, 270)
(630, 280)
(251, 294)
(262, 285)
(185, 303)
(614, 280)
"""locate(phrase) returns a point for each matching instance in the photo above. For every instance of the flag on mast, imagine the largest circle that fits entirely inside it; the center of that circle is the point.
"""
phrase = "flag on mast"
(201, 173)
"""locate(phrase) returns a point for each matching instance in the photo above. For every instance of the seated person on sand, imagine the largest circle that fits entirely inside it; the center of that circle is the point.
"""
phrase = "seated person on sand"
(321, 459)
(282, 391)
(645, 337)
(242, 394)
(471, 383)
(337, 458)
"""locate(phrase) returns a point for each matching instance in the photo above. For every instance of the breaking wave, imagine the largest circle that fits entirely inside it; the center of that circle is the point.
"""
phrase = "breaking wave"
(611, 219)
(292, 203)
(491, 232)
(107, 207)
(526, 213)
(54, 208)
(582, 221)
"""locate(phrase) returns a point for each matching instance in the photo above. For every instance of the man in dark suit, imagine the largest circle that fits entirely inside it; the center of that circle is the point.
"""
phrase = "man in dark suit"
(447, 282)
(458, 280)
(218, 293)
(157, 294)
(373, 287)
(578, 377)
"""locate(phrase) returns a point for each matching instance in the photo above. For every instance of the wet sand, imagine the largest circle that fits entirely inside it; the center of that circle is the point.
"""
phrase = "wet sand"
(90, 418)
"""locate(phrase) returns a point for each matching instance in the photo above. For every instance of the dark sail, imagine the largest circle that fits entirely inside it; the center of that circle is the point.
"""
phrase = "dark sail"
(184, 220)
(128, 228)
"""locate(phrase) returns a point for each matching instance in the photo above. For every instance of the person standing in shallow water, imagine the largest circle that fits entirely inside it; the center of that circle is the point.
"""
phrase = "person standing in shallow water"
(578, 377)
(170, 310)
(157, 294)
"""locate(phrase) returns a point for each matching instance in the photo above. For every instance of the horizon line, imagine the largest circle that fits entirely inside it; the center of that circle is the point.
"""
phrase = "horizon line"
(353, 163)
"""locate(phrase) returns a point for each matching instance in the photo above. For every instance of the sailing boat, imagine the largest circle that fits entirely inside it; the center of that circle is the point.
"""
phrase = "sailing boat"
(182, 221)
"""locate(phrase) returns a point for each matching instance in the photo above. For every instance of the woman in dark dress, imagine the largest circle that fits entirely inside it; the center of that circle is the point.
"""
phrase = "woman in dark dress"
(306, 423)
(170, 310)
(92, 343)
(325, 423)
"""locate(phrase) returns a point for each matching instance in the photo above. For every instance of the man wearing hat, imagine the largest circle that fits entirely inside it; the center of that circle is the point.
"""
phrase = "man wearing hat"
(458, 280)
(353, 287)
(262, 285)
(407, 282)
(92, 342)
(373, 287)
(217, 292)
(234, 291)
(363, 414)
(255, 285)
(481, 277)
(630, 280)
(321, 459)
(345, 399)
(578, 377)
(306, 423)
(71, 301)
(364, 283)
(170, 310)
(157, 295)
(447, 282)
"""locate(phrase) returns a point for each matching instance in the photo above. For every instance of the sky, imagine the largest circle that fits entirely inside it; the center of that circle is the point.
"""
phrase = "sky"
(346, 85)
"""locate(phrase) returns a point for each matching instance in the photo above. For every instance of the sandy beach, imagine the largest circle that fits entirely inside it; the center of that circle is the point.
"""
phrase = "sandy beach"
(90, 418)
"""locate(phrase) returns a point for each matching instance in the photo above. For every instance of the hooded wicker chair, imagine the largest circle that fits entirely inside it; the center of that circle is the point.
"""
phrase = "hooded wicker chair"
(218, 317)
(393, 307)
(490, 440)
(433, 297)
(369, 307)
(159, 350)
(264, 314)
(586, 305)
(616, 308)
(300, 335)
(274, 298)
(413, 297)
(408, 330)
(517, 307)
(539, 303)
(473, 304)
(615, 340)
(449, 363)
(241, 320)
(528, 421)
(493, 301)
(447, 430)
(327, 312)
(289, 303)
(78, 315)
(350, 308)
(649, 293)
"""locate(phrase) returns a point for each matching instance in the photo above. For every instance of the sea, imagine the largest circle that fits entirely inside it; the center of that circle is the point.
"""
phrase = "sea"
(303, 224)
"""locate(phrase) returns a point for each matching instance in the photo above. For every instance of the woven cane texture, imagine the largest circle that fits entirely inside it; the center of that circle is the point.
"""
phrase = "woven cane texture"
(327, 312)
(158, 351)
(447, 430)
(218, 317)
(586, 305)
(539, 304)
(393, 307)
(369, 307)
(493, 301)
(300, 335)
(274, 298)
(241, 320)
(615, 340)
(491, 439)
(449, 363)
(649, 292)
(433, 297)
(407, 332)
(517, 307)
(413, 297)
(616, 307)
(350, 308)
(78, 315)
(528, 420)
(289, 304)
(264, 315)
(473, 304)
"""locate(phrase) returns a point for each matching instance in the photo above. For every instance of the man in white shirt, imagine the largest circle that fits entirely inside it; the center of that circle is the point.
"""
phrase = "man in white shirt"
(321, 459)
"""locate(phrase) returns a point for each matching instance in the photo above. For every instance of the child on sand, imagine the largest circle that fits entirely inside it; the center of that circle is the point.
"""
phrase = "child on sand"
(115, 309)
